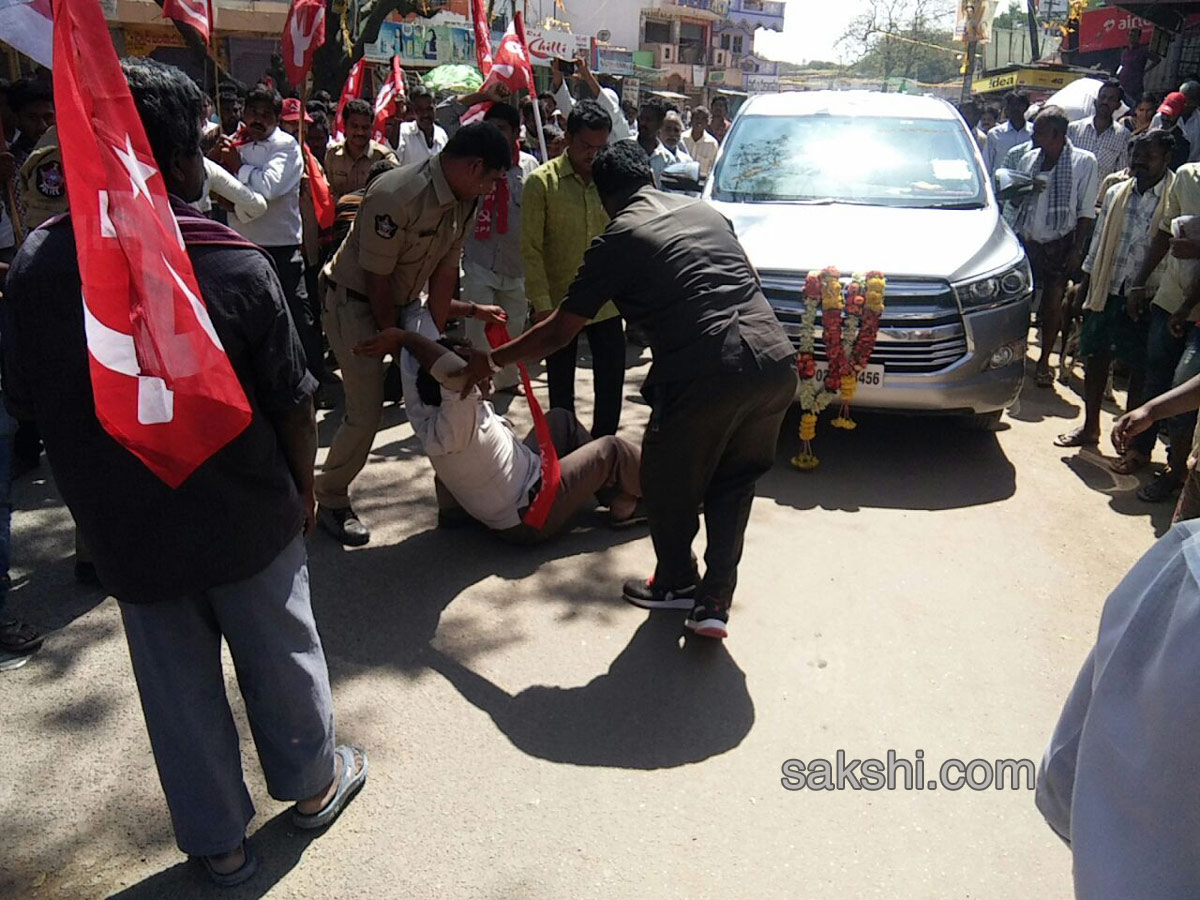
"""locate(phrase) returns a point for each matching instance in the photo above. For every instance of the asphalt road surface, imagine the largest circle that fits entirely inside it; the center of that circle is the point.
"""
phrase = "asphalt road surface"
(532, 736)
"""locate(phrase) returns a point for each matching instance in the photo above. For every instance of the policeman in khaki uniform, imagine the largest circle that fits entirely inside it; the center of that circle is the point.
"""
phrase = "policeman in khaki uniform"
(43, 185)
(409, 231)
(348, 162)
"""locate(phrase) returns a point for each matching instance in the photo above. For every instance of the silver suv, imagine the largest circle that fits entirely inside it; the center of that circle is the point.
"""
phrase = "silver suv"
(864, 181)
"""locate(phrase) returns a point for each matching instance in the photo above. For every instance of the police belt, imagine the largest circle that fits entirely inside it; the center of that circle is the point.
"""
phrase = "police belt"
(350, 295)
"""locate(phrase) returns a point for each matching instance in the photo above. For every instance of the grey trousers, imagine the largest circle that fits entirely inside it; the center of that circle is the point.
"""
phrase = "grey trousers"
(176, 651)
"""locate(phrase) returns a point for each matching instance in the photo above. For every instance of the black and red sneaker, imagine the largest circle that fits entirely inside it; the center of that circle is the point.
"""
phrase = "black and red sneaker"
(648, 595)
(710, 619)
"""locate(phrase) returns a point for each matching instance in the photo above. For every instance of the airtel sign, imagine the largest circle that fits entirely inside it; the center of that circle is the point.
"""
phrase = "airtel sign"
(1108, 28)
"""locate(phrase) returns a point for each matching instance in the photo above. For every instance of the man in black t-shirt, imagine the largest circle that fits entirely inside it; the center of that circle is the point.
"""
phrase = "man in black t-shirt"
(221, 556)
(723, 376)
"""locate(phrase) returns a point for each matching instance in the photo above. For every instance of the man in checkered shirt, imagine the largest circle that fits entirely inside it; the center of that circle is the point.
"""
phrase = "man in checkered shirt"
(1101, 135)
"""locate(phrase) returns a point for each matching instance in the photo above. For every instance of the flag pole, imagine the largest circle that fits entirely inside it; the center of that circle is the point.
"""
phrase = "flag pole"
(519, 20)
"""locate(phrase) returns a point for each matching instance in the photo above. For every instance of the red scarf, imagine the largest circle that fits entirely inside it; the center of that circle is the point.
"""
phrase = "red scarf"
(539, 509)
(495, 206)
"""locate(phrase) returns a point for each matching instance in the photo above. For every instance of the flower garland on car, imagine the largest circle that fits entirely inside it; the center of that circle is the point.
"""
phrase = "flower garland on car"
(848, 346)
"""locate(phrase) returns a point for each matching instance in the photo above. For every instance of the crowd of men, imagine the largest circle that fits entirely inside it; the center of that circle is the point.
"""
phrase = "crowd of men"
(432, 225)
(1105, 208)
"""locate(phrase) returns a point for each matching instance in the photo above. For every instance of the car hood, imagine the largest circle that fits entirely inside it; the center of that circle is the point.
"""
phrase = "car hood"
(948, 244)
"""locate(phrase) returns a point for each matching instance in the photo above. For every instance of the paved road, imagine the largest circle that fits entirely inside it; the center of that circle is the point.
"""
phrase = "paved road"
(532, 736)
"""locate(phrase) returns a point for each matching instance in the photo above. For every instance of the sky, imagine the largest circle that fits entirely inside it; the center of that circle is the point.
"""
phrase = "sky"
(811, 28)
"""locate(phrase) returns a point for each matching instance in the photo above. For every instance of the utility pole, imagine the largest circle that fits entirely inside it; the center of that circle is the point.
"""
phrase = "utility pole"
(970, 38)
(1034, 45)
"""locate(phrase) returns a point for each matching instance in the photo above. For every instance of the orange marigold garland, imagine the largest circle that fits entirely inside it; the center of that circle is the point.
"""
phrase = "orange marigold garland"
(848, 346)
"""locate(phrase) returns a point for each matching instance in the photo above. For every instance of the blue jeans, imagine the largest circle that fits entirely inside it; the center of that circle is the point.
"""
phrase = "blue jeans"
(8, 427)
(1163, 358)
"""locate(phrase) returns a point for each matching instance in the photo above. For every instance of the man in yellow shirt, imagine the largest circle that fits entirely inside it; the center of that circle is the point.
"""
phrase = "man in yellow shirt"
(560, 216)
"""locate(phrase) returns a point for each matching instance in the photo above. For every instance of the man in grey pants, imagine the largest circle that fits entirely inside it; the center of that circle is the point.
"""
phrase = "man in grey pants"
(222, 555)
(724, 374)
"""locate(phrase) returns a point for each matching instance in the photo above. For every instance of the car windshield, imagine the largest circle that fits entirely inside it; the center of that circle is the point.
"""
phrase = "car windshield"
(872, 161)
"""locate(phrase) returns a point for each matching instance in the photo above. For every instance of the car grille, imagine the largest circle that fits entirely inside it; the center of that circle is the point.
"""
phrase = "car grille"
(921, 332)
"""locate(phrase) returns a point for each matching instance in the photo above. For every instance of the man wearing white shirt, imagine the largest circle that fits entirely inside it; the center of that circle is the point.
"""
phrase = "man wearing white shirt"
(606, 97)
(1100, 135)
(267, 159)
(1189, 122)
(481, 465)
(423, 137)
(701, 145)
(1015, 131)
(1055, 221)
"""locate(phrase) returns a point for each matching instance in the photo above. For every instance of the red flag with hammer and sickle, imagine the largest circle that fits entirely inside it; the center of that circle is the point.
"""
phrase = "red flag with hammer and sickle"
(163, 385)
(196, 13)
(303, 33)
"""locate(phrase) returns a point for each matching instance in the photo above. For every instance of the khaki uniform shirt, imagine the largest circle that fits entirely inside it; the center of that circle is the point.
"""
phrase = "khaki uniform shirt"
(1182, 200)
(409, 223)
(347, 174)
(42, 183)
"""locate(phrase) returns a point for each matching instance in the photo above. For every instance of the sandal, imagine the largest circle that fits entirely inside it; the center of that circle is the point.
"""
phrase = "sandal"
(1129, 464)
(1044, 379)
(17, 637)
(242, 873)
(349, 784)
(1076, 439)
(1160, 490)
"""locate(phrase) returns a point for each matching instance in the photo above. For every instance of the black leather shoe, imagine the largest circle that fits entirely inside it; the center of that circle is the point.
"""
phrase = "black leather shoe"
(344, 525)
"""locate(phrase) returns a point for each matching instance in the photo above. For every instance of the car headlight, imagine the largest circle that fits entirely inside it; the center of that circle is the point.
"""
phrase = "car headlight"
(995, 290)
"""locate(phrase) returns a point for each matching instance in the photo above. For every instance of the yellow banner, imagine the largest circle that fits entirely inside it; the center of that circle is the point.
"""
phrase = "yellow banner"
(1043, 79)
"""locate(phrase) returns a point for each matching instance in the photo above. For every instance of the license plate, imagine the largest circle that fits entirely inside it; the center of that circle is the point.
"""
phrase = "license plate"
(870, 379)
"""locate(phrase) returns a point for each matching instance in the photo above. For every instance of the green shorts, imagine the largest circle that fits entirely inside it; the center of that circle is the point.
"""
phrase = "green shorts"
(1112, 331)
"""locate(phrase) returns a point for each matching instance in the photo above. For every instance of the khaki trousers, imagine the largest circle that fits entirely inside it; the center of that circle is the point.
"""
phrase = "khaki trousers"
(348, 321)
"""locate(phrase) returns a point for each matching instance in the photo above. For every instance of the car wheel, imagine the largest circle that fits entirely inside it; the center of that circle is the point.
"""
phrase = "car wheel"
(983, 421)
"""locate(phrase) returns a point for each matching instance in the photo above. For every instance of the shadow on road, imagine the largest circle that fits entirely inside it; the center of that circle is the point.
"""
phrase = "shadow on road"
(278, 845)
(1091, 467)
(892, 462)
(659, 705)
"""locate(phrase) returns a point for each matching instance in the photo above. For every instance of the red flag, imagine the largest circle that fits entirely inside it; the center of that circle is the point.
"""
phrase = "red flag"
(511, 67)
(195, 13)
(539, 509)
(483, 37)
(385, 104)
(351, 90)
(303, 33)
(162, 383)
(318, 186)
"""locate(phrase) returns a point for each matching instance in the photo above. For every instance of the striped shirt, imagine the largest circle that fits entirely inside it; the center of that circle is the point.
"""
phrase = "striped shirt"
(1110, 147)
(1135, 234)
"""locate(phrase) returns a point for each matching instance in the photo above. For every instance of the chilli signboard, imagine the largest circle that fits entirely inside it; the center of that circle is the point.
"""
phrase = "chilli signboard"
(547, 45)
(1108, 28)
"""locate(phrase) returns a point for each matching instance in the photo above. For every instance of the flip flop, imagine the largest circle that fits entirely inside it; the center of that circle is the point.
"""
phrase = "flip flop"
(1159, 490)
(1075, 439)
(1129, 464)
(18, 638)
(348, 785)
(244, 872)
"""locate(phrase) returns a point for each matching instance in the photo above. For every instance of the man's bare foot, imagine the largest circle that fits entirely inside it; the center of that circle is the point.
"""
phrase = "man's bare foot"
(228, 863)
(623, 507)
(1077, 438)
(318, 802)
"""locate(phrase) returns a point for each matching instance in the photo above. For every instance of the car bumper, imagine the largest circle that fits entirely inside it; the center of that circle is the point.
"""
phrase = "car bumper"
(970, 386)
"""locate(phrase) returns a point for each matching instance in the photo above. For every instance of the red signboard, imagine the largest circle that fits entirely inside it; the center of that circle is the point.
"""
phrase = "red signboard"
(1108, 28)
